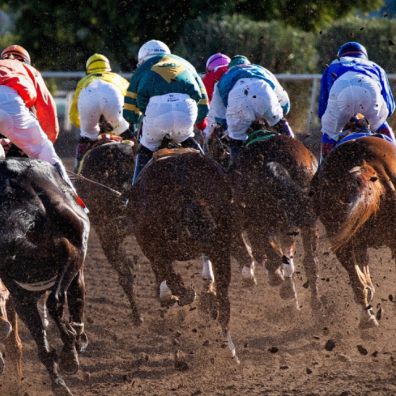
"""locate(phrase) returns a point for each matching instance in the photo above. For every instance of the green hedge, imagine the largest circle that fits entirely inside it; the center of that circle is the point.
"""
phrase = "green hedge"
(377, 35)
(278, 47)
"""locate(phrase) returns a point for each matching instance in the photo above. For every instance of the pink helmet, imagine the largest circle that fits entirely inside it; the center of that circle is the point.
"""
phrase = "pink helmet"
(217, 60)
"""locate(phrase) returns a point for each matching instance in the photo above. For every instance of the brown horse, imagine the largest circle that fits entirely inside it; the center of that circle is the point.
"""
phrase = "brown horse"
(271, 182)
(181, 208)
(354, 195)
(110, 165)
(43, 240)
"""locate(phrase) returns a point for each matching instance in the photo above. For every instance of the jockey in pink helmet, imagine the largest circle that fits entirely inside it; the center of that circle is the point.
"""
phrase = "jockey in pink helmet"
(216, 66)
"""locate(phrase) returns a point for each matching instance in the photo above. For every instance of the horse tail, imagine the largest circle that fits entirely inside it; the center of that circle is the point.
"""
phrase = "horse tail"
(364, 202)
(198, 220)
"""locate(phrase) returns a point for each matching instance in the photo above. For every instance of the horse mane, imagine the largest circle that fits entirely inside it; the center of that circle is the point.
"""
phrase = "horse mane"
(367, 190)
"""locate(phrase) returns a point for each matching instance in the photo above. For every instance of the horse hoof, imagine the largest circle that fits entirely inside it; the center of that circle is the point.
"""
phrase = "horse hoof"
(275, 278)
(60, 388)
(5, 329)
(370, 323)
(2, 363)
(287, 290)
(249, 282)
(188, 297)
(68, 362)
(248, 277)
(137, 319)
(82, 343)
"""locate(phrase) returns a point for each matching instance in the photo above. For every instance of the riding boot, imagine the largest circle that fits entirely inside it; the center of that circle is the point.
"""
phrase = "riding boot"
(143, 156)
(385, 129)
(192, 143)
(84, 144)
(284, 128)
(235, 149)
(326, 145)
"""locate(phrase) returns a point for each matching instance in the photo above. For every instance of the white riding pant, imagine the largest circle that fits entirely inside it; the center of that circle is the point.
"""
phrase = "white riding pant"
(97, 99)
(350, 94)
(23, 129)
(251, 99)
(172, 114)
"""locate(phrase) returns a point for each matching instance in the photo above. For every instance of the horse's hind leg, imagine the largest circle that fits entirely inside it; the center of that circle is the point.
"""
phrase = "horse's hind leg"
(56, 300)
(13, 344)
(222, 272)
(355, 261)
(117, 257)
(241, 251)
(76, 302)
(26, 308)
(164, 273)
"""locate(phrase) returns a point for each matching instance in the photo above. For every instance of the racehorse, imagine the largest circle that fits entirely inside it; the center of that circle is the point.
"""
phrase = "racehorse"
(106, 172)
(354, 196)
(271, 182)
(181, 207)
(43, 240)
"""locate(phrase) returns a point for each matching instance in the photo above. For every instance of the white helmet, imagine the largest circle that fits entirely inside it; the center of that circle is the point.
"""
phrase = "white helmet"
(150, 49)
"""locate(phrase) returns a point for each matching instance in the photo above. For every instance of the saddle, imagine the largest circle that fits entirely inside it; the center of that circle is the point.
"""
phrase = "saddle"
(103, 138)
(357, 128)
(168, 152)
(259, 136)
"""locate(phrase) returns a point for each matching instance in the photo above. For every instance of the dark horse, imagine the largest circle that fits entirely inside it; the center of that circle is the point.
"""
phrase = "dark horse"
(271, 183)
(110, 166)
(181, 208)
(354, 195)
(43, 240)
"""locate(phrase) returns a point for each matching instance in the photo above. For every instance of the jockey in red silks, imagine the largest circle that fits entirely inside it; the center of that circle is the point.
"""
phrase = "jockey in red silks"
(27, 110)
(216, 66)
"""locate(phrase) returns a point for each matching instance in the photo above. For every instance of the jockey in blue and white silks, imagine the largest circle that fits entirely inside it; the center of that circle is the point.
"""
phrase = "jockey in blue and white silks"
(244, 94)
(353, 84)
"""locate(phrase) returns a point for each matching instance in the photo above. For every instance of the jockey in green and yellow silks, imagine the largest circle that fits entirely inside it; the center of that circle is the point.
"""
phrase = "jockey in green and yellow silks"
(169, 93)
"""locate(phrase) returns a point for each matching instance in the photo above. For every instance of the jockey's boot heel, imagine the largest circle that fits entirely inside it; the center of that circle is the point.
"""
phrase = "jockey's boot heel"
(143, 156)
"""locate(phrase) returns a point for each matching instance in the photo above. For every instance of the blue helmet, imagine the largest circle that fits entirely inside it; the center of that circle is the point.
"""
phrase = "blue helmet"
(354, 49)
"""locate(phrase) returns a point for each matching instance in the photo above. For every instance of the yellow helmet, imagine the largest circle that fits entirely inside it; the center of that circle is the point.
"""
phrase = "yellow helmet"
(97, 63)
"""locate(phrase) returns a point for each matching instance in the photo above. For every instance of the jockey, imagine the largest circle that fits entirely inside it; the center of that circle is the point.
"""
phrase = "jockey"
(169, 93)
(352, 84)
(27, 110)
(99, 97)
(244, 94)
(216, 66)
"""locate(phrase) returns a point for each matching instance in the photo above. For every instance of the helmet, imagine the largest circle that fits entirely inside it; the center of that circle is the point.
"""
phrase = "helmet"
(152, 48)
(239, 60)
(217, 60)
(16, 52)
(354, 49)
(97, 63)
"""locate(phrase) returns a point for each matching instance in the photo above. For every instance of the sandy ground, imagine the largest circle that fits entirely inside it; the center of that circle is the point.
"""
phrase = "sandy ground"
(282, 351)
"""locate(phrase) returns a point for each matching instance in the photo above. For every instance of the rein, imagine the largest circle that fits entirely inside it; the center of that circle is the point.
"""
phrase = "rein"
(107, 188)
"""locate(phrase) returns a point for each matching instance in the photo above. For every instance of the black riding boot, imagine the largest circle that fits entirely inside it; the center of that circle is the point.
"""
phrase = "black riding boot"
(235, 149)
(143, 156)
(192, 143)
(84, 144)
(284, 128)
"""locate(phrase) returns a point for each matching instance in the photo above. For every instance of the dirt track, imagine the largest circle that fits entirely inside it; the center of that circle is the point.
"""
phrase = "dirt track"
(281, 351)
